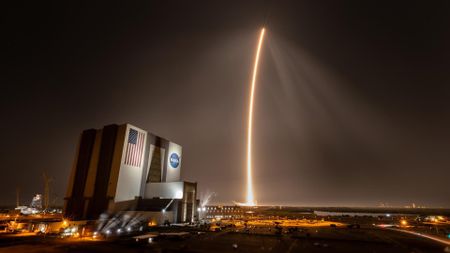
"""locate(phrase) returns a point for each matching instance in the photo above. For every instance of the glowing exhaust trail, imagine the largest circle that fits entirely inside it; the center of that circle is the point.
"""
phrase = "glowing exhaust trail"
(250, 201)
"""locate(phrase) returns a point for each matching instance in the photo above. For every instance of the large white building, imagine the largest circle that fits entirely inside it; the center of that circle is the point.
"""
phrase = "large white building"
(122, 168)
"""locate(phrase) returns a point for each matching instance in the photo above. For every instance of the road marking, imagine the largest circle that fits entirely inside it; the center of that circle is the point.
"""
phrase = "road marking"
(293, 244)
(434, 238)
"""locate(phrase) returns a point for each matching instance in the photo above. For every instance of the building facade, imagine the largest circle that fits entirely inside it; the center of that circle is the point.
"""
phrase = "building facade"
(222, 212)
(125, 168)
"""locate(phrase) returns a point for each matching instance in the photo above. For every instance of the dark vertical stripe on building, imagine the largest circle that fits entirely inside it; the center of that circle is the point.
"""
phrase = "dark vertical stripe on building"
(99, 202)
(75, 202)
(155, 165)
(164, 144)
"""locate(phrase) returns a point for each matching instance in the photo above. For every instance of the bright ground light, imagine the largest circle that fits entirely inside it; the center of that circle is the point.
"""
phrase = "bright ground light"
(250, 201)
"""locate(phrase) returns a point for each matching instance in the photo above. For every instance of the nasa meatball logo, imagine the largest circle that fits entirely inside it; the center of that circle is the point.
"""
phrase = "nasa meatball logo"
(174, 160)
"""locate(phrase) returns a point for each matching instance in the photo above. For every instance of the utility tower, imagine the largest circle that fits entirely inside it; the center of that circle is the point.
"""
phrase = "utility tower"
(47, 182)
(17, 196)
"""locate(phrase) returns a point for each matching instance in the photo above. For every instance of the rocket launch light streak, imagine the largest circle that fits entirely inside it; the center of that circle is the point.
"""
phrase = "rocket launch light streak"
(250, 201)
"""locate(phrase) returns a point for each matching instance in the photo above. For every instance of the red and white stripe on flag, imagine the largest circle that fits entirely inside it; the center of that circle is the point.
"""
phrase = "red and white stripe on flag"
(135, 148)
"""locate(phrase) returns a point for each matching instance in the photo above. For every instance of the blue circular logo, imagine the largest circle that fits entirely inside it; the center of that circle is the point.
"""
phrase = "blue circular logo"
(174, 160)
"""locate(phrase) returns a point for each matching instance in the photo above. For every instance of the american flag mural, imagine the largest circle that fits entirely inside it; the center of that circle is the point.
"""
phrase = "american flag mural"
(135, 148)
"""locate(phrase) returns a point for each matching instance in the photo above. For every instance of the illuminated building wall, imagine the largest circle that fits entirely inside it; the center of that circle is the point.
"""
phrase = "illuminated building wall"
(121, 163)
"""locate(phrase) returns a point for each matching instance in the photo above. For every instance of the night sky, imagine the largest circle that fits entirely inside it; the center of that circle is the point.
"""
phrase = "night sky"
(351, 108)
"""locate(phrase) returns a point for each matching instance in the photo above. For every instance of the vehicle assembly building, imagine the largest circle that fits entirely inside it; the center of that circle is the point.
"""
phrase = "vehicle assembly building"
(122, 168)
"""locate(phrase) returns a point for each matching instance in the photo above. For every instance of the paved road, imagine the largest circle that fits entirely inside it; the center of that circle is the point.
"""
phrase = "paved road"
(423, 235)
